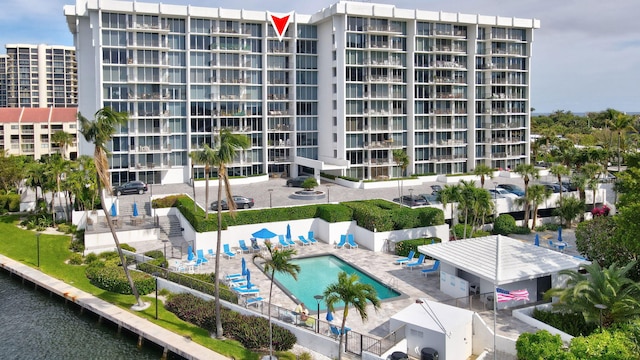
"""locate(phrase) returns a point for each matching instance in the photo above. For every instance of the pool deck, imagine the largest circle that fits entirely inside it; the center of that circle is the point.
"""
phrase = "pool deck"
(411, 283)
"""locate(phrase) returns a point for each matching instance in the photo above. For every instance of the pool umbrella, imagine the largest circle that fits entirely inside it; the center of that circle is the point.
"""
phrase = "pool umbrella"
(114, 211)
(536, 242)
(559, 233)
(135, 209)
(244, 267)
(288, 236)
(249, 284)
(329, 316)
(263, 234)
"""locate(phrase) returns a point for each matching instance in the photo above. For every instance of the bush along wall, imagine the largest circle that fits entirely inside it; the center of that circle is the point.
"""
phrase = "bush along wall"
(112, 278)
(251, 331)
(404, 247)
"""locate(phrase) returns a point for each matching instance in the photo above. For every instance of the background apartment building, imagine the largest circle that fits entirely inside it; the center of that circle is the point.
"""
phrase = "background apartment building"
(338, 93)
(29, 131)
(38, 76)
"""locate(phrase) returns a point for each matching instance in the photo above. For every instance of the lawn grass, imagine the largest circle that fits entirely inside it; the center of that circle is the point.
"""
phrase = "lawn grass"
(21, 245)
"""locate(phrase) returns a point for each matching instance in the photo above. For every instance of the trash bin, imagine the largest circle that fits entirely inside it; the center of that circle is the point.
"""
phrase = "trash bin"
(398, 355)
(489, 302)
(428, 354)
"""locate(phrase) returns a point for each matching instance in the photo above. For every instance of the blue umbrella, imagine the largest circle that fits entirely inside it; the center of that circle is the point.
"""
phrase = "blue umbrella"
(114, 211)
(536, 242)
(263, 234)
(135, 209)
(244, 267)
(249, 284)
(288, 236)
(329, 316)
(559, 233)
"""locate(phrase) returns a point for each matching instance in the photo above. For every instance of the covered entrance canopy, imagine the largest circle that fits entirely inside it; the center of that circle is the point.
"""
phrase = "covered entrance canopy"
(516, 261)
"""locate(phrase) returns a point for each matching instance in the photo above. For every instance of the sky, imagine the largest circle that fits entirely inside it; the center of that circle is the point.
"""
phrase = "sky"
(586, 54)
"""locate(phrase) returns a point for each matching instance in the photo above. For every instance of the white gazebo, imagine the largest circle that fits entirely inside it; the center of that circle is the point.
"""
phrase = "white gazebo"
(479, 265)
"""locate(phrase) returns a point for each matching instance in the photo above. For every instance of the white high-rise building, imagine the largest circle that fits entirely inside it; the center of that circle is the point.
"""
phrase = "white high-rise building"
(338, 93)
(38, 76)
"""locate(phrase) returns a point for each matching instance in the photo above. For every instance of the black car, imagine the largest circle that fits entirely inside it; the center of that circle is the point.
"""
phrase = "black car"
(512, 189)
(436, 188)
(556, 188)
(242, 202)
(569, 185)
(412, 201)
(131, 187)
(297, 181)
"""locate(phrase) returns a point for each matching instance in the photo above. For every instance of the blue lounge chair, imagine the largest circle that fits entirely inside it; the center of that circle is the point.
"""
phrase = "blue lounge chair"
(201, 257)
(405, 260)
(243, 246)
(311, 239)
(434, 268)
(416, 263)
(290, 241)
(283, 242)
(256, 300)
(303, 240)
(237, 282)
(254, 245)
(337, 332)
(227, 252)
(343, 241)
(233, 276)
(190, 255)
(211, 254)
(351, 243)
(243, 290)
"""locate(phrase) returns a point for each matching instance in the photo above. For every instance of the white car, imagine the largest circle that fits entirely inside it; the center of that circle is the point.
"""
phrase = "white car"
(502, 193)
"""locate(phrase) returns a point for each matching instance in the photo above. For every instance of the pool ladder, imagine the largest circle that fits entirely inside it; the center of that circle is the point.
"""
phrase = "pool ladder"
(392, 282)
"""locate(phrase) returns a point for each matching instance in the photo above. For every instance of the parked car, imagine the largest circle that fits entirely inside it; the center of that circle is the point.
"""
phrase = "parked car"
(242, 202)
(606, 178)
(556, 188)
(514, 189)
(432, 199)
(569, 185)
(436, 188)
(297, 181)
(131, 187)
(499, 192)
(412, 200)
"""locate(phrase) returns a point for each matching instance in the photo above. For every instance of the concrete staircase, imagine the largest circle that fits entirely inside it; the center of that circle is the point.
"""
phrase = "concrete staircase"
(170, 230)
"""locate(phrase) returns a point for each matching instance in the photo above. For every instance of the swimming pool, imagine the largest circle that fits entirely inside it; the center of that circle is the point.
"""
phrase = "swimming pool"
(317, 272)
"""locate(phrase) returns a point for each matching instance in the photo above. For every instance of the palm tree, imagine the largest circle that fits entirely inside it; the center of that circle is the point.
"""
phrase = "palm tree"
(466, 201)
(571, 207)
(34, 176)
(537, 195)
(620, 122)
(528, 172)
(207, 157)
(278, 260)
(448, 195)
(401, 158)
(99, 132)
(227, 145)
(63, 140)
(483, 170)
(580, 181)
(56, 167)
(349, 291)
(559, 171)
(607, 286)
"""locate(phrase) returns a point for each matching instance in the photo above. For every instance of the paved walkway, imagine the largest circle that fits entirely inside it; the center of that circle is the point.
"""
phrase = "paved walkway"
(149, 331)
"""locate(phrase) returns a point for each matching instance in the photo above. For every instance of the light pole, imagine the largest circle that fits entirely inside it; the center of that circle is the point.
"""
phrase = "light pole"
(328, 193)
(318, 298)
(270, 203)
(38, 247)
(601, 307)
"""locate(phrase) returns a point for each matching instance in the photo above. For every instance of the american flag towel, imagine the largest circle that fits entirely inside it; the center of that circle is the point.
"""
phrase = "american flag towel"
(506, 295)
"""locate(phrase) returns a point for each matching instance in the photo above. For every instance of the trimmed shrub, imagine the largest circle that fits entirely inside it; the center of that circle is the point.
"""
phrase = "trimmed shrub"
(127, 247)
(458, 230)
(75, 259)
(10, 202)
(540, 345)
(572, 324)
(251, 331)
(480, 233)
(333, 213)
(91, 257)
(112, 278)
(77, 246)
(521, 230)
(155, 254)
(504, 224)
(404, 247)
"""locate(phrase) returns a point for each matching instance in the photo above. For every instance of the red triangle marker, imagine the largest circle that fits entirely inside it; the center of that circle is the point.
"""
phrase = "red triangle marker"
(280, 24)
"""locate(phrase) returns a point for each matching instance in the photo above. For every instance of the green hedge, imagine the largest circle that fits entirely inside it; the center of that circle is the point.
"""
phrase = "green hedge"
(251, 331)
(378, 214)
(112, 278)
(505, 224)
(10, 202)
(404, 247)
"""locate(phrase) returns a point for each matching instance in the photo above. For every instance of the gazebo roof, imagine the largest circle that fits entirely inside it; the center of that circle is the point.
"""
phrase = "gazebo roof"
(517, 260)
